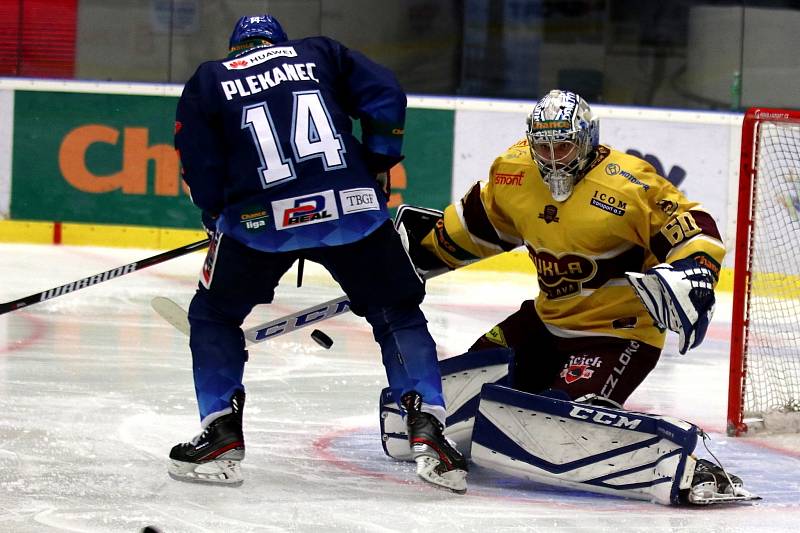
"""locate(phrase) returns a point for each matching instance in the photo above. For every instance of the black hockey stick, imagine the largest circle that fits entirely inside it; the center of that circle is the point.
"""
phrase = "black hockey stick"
(101, 277)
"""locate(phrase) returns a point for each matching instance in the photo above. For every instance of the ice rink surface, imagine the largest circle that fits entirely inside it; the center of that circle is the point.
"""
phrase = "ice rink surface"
(95, 389)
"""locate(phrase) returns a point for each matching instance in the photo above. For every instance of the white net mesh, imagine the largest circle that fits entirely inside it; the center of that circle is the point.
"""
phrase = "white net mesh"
(772, 375)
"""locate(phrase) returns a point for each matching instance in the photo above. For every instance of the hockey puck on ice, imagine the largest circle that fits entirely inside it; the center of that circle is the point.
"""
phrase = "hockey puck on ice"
(322, 339)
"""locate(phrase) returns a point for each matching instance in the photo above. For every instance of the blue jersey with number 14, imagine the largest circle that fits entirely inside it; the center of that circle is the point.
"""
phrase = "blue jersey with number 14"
(266, 142)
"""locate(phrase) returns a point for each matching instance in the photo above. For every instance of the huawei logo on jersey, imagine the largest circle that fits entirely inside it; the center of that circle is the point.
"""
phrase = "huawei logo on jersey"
(238, 64)
(561, 276)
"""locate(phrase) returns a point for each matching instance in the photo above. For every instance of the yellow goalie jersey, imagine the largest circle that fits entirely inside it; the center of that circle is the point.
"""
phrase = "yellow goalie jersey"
(622, 216)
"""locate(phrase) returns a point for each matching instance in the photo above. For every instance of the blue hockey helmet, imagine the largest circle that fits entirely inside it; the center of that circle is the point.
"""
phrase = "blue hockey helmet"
(260, 26)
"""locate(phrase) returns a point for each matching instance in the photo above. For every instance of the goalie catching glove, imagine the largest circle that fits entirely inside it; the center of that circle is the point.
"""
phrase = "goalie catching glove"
(413, 224)
(679, 296)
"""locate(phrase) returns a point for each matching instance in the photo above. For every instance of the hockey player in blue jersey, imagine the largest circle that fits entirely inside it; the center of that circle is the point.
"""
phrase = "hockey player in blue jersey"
(266, 142)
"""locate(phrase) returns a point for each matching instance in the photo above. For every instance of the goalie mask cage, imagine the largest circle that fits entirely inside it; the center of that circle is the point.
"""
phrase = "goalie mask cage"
(764, 383)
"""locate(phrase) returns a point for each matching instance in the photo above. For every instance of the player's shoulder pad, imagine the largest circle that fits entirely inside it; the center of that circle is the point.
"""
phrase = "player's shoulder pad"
(518, 151)
(516, 160)
(625, 173)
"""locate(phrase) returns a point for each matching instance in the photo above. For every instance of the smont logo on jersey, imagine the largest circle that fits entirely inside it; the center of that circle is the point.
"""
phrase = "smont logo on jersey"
(508, 179)
(603, 417)
(356, 200)
(305, 210)
(259, 56)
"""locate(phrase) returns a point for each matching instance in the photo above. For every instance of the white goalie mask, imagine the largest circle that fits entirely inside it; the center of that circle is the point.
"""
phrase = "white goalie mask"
(562, 135)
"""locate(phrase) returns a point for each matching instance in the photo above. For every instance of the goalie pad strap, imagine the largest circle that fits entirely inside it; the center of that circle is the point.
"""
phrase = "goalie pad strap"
(583, 446)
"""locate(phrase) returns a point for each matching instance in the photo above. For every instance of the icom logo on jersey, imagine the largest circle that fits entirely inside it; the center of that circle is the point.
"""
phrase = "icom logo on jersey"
(259, 56)
(305, 210)
(356, 200)
(608, 203)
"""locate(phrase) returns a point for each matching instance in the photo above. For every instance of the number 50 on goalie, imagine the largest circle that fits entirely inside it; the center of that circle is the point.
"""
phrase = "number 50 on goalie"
(680, 228)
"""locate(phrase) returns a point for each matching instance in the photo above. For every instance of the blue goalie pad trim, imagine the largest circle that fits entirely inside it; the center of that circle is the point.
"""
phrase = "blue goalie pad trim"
(593, 414)
(470, 361)
(460, 411)
(600, 481)
(488, 435)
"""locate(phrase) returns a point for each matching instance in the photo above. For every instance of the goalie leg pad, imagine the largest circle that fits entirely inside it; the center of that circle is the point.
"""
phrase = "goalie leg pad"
(583, 446)
(462, 379)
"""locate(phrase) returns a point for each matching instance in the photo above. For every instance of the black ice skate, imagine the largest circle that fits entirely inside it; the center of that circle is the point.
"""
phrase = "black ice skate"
(214, 455)
(711, 484)
(438, 461)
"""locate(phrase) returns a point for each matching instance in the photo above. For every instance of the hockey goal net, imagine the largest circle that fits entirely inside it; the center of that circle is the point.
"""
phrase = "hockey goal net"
(764, 386)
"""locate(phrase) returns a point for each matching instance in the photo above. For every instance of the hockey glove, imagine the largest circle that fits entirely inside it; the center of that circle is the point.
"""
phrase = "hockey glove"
(679, 297)
(379, 165)
(413, 224)
(384, 180)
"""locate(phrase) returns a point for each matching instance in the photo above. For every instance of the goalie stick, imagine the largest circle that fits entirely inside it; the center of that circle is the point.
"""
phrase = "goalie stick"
(89, 281)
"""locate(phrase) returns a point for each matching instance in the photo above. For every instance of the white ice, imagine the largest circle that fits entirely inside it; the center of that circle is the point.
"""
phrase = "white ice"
(95, 389)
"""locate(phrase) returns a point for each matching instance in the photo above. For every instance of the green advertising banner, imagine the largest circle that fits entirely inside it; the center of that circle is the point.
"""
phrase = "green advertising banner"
(108, 159)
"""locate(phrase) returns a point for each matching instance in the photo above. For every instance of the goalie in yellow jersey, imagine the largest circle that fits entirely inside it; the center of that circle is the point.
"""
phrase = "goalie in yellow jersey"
(621, 255)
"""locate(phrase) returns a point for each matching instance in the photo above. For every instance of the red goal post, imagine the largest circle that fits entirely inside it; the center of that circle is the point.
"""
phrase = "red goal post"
(764, 381)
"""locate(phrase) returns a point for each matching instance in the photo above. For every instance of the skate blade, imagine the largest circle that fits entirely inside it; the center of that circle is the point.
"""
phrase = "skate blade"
(220, 472)
(455, 480)
(712, 497)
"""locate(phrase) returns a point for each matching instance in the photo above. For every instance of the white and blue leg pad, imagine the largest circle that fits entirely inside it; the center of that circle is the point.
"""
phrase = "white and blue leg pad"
(462, 379)
(583, 446)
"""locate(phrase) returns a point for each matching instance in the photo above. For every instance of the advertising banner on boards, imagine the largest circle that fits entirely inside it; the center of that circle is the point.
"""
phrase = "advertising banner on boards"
(109, 159)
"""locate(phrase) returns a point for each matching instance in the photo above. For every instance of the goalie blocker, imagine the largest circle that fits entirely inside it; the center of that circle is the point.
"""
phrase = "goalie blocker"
(579, 445)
